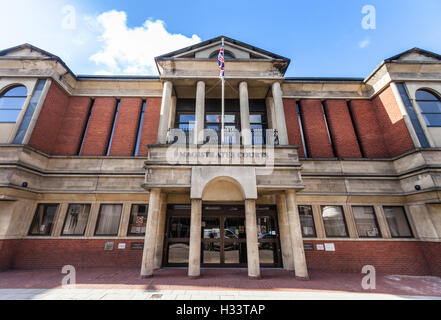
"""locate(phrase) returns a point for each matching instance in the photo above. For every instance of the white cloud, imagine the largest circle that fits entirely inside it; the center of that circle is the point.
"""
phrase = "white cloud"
(363, 44)
(127, 50)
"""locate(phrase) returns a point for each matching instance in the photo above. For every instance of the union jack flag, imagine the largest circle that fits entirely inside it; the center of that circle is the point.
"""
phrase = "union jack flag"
(221, 63)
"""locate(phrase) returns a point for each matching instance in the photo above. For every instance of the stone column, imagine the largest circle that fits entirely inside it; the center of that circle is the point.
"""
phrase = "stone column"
(245, 114)
(150, 234)
(200, 113)
(252, 241)
(194, 259)
(301, 270)
(166, 106)
(280, 114)
(271, 113)
(285, 238)
(172, 117)
(160, 233)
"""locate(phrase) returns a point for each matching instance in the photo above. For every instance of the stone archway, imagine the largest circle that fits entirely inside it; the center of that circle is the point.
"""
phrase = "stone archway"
(223, 189)
(242, 180)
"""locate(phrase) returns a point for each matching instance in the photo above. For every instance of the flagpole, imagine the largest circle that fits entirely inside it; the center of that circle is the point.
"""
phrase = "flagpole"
(223, 105)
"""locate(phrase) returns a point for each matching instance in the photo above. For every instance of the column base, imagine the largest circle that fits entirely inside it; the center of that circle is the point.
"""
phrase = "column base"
(302, 278)
(146, 277)
(255, 277)
(194, 277)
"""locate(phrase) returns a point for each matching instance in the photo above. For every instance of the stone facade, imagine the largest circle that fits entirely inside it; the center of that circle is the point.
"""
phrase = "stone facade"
(344, 143)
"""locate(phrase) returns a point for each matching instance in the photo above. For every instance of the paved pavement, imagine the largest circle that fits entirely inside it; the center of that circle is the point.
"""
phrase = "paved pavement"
(214, 284)
(136, 294)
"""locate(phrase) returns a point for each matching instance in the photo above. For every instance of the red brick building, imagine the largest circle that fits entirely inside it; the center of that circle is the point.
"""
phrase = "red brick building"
(155, 171)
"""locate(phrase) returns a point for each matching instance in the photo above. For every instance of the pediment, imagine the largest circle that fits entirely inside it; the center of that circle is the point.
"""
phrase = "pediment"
(26, 51)
(237, 49)
(416, 55)
(196, 60)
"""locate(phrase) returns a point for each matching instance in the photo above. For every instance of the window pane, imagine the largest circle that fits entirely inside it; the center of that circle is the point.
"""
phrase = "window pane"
(43, 220)
(334, 221)
(108, 220)
(29, 112)
(425, 95)
(211, 228)
(255, 118)
(187, 118)
(432, 119)
(217, 118)
(179, 227)
(186, 126)
(213, 118)
(397, 221)
(430, 106)
(9, 115)
(76, 219)
(366, 222)
(307, 221)
(234, 228)
(12, 103)
(19, 91)
(266, 228)
(138, 220)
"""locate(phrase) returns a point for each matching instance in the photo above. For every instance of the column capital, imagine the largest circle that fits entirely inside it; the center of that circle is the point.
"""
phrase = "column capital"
(243, 84)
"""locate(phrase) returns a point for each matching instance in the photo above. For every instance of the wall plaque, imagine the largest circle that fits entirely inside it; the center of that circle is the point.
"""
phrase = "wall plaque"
(137, 246)
(109, 246)
(309, 246)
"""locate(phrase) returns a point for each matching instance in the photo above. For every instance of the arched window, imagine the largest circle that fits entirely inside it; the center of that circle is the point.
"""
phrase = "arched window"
(430, 106)
(11, 103)
(227, 55)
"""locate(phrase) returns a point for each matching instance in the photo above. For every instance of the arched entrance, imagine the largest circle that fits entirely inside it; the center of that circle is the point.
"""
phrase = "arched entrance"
(223, 236)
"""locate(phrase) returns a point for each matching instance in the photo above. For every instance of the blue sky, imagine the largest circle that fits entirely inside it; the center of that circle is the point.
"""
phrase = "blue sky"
(323, 38)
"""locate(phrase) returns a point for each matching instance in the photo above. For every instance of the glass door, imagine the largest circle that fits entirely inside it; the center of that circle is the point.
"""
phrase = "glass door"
(177, 237)
(223, 237)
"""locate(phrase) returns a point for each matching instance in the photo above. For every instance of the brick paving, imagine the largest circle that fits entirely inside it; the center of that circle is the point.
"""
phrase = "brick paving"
(226, 283)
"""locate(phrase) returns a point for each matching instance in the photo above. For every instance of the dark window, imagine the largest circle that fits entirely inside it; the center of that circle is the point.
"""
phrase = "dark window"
(11, 103)
(113, 128)
(213, 121)
(430, 106)
(43, 220)
(179, 228)
(307, 221)
(302, 133)
(92, 102)
(138, 220)
(334, 221)
(398, 223)
(29, 113)
(108, 220)
(366, 222)
(141, 122)
(76, 220)
(227, 55)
